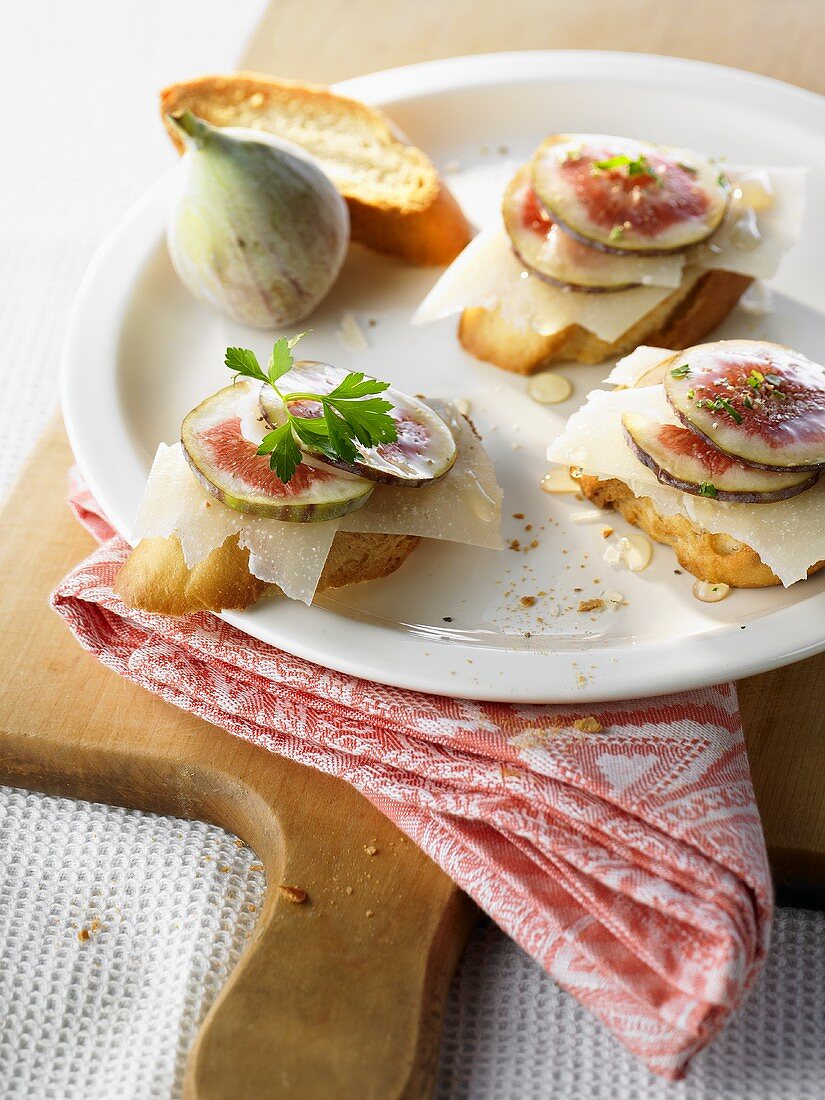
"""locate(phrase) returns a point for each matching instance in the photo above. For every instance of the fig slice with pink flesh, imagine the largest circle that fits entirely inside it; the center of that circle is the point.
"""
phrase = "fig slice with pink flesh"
(683, 460)
(628, 196)
(424, 451)
(758, 402)
(552, 254)
(228, 466)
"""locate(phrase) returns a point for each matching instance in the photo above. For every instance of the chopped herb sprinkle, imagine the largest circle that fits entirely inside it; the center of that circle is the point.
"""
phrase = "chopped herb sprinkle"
(708, 489)
(681, 372)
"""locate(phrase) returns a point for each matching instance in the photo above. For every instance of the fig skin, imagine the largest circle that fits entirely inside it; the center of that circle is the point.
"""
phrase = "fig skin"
(793, 430)
(424, 465)
(258, 231)
(568, 206)
(634, 429)
(217, 452)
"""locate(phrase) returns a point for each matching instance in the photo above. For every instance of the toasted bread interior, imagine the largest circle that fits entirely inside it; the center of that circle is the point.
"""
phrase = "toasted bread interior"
(682, 319)
(155, 576)
(717, 558)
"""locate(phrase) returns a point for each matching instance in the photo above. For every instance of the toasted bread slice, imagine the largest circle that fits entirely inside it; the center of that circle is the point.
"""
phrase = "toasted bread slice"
(717, 558)
(155, 576)
(682, 319)
(397, 201)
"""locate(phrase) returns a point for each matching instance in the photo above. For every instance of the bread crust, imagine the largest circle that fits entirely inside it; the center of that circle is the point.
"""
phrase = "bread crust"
(155, 576)
(397, 201)
(682, 319)
(717, 558)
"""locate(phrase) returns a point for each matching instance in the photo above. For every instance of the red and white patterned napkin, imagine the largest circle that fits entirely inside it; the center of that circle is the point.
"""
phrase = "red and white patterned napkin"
(619, 844)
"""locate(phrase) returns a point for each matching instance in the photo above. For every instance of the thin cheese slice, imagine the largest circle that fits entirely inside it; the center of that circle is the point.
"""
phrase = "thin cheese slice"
(760, 226)
(789, 536)
(752, 241)
(630, 369)
(289, 555)
(487, 274)
(465, 506)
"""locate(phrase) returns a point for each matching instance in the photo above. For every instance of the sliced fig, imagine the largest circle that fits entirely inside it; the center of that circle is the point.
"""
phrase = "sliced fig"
(563, 260)
(628, 196)
(228, 467)
(423, 452)
(680, 458)
(756, 401)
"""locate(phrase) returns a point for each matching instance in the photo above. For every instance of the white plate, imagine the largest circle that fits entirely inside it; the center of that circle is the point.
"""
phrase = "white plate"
(140, 352)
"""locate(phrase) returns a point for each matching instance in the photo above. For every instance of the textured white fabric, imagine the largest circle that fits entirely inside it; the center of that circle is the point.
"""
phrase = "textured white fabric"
(511, 1034)
(112, 1016)
(117, 930)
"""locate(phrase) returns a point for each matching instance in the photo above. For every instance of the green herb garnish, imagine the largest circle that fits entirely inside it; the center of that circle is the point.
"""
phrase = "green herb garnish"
(681, 372)
(687, 168)
(708, 489)
(350, 413)
(691, 394)
(636, 166)
(616, 233)
(722, 404)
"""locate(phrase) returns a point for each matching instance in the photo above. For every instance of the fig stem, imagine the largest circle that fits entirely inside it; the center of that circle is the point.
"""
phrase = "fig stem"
(194, 130)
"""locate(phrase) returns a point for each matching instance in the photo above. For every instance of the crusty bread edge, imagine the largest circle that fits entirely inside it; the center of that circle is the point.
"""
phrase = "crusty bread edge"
(717, 558)
(682, 319)
(155, 576)
(430, 234)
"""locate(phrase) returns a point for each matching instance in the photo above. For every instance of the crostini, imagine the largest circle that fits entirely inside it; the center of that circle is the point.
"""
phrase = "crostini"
(716, 450)
(298, 478)
(605, 243)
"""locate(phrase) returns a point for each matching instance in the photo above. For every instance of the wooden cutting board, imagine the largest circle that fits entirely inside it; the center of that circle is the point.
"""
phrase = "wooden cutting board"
(340, 996)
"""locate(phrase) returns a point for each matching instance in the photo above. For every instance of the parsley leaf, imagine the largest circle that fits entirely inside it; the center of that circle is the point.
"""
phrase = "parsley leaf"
(638, 166)
(681, 372)
(351, 413)
(245, 362)
(708, 489)
(284, 453)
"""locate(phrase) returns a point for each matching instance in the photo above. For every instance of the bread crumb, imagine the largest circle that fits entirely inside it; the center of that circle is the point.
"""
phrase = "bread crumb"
(607, 532)
(83, 935)
(224, 870)
(256, 866)
(518, 515)
(370, 913)
(295, 894)
(251, 908)
(588, 725)
(591, 605)
(239, 843)
(349, 889)
(527, 601)
(370, 849)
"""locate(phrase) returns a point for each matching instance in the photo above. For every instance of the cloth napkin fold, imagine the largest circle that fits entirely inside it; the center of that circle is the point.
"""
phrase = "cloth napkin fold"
(619, 844)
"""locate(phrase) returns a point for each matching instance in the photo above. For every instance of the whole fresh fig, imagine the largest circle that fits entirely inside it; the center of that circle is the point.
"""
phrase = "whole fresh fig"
(257, 231)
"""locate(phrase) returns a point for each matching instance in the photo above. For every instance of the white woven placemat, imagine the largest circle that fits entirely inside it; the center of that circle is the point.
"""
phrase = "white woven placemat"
(117, 928)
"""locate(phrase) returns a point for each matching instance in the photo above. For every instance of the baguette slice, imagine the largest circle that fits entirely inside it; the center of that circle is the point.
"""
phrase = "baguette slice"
(682, 319)
(397, 201)
(717, 558)
(155, 576)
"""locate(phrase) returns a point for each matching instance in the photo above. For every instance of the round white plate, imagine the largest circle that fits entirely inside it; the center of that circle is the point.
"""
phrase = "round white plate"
(141, 352)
